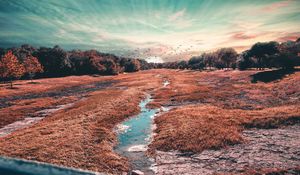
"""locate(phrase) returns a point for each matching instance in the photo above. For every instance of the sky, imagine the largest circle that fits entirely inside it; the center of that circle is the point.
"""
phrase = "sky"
(158, 30)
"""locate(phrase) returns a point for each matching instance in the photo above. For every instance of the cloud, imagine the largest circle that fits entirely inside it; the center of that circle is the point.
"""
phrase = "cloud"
(277, 5)
(289, 37)
(242, 36)
(177, 15)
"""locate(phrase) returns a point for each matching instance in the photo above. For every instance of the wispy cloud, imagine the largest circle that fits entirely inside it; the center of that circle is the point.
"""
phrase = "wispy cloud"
(277, 5)
(177, 15)
(289, 37)
(242, 36)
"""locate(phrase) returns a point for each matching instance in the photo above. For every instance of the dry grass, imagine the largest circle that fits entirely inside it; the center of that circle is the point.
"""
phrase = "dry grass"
(215, 107)
(28, 108)
(227, 102)
(195, 128)
(46, 84)
(227, 89)
(81, 137)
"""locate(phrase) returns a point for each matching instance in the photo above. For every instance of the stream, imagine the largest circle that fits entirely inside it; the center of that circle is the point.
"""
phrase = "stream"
(134, 135)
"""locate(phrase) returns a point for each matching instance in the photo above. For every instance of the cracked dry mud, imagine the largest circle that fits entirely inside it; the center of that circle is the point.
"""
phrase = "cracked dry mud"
(263, 148)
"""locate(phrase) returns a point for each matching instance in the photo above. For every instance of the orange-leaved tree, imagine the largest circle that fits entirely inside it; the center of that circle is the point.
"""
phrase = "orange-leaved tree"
(32, 66)
(11, 68)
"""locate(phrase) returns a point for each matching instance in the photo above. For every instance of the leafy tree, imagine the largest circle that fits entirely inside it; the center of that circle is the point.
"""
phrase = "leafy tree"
(182, 65)
(96, 66)
(111, 68)
(23, 52)
(226, 57)
(55, 61)
(32, 66)
(103, 66)
(209, 59)
(244, 61)
(196, 62)
(11, 68)
(132, 65)
(288, 56)
(263, 52)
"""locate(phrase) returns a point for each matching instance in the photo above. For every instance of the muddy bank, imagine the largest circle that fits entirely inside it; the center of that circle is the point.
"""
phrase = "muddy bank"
(264, 148)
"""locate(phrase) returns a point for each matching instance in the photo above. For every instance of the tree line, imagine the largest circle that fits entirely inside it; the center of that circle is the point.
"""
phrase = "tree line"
(27, 61)
(261, 55)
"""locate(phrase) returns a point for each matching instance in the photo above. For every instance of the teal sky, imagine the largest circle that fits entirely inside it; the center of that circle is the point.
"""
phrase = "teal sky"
(160, 29)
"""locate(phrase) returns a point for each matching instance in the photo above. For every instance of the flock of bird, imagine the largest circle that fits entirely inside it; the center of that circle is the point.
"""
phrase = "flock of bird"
(142, 53)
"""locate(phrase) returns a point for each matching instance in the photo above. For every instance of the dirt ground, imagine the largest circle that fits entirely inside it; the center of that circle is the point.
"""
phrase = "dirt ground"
(211, 111)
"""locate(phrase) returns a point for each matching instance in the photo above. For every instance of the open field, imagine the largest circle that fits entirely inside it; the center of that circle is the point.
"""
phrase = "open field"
(210, 111)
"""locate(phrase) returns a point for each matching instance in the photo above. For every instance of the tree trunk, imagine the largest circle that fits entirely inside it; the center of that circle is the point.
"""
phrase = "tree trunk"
(11, 84)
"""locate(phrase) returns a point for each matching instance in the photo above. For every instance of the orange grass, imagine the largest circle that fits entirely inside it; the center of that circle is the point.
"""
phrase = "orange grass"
(46, 84)
(28, 108)
(82, 137)
(195, 128)
(223, 104)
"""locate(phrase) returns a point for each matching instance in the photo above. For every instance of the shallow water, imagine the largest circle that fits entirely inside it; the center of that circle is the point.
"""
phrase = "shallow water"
(134, 135)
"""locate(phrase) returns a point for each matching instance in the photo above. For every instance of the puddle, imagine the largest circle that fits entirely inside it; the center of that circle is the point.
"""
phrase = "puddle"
(166, 83)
